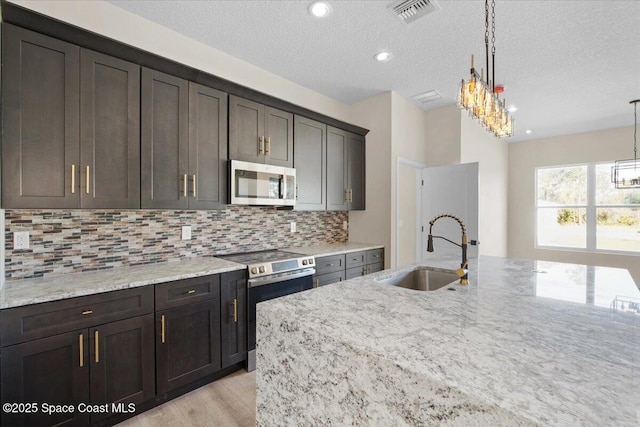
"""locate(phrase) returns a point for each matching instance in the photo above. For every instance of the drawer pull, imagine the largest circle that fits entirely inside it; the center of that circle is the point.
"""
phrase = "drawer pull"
(184, 185)
(192, 291)
(81, 344)
(235, 310)
(194, 186)
(73, 179)
(87, 312)
(162, 328)
(87, 179)
(97, 341)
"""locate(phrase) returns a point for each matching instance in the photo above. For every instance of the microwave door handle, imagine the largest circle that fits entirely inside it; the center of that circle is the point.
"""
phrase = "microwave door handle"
(283, 186)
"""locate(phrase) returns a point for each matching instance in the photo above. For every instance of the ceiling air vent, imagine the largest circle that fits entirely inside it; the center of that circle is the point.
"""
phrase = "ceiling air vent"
(426, 97)
(410, 10)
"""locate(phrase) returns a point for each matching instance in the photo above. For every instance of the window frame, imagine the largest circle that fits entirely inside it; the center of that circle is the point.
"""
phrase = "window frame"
(591, 238)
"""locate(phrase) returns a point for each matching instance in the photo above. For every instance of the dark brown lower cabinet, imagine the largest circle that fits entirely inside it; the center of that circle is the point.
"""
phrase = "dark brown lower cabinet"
(233, 301)
(53, 370)
(109, 364)
(121, 361)
(187, 344)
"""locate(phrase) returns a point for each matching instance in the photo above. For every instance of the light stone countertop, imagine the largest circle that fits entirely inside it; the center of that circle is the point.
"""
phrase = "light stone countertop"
(329, 249)
(526, 343)
(33, 291)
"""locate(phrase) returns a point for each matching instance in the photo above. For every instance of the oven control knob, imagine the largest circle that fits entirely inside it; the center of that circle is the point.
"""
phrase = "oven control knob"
(261, 269)
(304, 262)
(310, 261)
(254, 270)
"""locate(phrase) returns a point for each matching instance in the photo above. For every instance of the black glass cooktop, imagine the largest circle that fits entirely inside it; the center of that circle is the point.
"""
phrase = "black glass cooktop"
(261, 257)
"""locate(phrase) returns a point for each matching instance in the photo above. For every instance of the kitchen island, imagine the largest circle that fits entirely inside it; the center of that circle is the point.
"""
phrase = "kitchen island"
(526, 343)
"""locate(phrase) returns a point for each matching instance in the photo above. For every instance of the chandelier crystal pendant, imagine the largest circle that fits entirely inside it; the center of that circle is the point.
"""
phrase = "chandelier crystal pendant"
(479, 97)
(626, 173)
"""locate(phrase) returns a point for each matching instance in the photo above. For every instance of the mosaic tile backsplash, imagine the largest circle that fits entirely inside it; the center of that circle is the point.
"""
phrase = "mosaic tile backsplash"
(67, 241)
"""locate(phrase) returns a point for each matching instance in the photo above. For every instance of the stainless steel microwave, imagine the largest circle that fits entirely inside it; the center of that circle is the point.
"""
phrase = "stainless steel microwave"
(262, 185)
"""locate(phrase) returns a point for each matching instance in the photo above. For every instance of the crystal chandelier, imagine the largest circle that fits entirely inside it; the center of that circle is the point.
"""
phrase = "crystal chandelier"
(480, 98)
(626, 173)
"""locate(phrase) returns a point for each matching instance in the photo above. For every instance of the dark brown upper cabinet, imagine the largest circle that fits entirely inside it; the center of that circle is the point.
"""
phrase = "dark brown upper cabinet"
(165, 141)
(207, 147)
(310, 158)
(40, 116)
(71, 125)
(109, 132)
(184, 150)
(345, 170)
(260, 134)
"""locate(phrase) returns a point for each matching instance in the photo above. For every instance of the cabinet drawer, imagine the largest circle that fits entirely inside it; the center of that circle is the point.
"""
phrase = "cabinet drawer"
(372, 268)
(375, 256)
(356, 259)
(327, 279)
(187, 291)
(329, 264)
(355, 272)
(30, 322)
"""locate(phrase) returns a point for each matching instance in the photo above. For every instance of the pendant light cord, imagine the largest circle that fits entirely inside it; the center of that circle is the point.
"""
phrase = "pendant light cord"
(486, 36)
(493, 45)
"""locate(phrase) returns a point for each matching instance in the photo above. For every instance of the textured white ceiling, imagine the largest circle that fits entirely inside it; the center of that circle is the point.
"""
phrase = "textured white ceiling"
(569, 66)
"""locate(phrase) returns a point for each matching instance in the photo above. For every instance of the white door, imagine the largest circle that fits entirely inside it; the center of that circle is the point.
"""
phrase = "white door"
(450, 190)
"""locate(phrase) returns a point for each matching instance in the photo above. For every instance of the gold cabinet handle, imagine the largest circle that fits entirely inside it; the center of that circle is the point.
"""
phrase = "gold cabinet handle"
(346, 194)
(81, 345)
(97, 345)
(261, 145)
(235, 310)
(87, 180)
(162, 329)
(316, 283)
(192, 291)
(184, 185)
(194, 186)
(73, 179)
(87, 312)
(267, 150)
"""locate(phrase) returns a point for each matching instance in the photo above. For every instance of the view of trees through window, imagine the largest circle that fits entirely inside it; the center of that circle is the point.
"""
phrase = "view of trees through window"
(579, 207)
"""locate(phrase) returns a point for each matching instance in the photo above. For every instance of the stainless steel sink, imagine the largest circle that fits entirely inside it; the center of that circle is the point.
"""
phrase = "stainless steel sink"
(422, 279)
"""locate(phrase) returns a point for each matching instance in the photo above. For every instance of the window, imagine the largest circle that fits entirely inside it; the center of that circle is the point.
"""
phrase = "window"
(578, 207)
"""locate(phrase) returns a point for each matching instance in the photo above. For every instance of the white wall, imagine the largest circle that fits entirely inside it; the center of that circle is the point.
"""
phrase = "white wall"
(443, 135)
(492, 155)
(374, 224)
(108, 20)
(524, 157)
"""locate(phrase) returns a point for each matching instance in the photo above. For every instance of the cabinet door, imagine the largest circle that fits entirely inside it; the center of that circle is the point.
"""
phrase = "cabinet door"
(356, 171)
(207, 147)
(52, 370)
(279, 137)
(233, 301)
(40, 121)
(337, 177)
(109, 132)
(122, 362)
(310, 158)
(165, 141)
(246, 130)
(187, 344)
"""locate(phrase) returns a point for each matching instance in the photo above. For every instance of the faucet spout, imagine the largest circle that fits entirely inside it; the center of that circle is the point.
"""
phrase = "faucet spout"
(462, 272)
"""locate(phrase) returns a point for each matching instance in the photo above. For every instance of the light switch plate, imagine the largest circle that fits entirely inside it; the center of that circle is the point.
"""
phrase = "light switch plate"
(21, 240)
(186, 232)
(293, 227)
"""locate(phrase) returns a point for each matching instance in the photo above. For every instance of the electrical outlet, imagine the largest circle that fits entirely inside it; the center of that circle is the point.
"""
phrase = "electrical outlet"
(21, 240)
(293, 227)
(345, 225)
(186, 232)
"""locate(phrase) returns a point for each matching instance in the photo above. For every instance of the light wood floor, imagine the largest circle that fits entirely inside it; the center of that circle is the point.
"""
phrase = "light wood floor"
(229, 402)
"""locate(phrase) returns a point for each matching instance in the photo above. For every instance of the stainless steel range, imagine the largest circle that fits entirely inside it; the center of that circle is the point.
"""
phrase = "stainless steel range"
(272, 274)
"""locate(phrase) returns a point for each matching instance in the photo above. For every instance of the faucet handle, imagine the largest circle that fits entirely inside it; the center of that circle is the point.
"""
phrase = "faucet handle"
(461, 272)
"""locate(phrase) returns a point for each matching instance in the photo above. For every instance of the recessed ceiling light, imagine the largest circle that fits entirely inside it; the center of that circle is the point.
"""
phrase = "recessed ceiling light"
(528, 131)
(383, 56)
(512, 109)
(319, 9)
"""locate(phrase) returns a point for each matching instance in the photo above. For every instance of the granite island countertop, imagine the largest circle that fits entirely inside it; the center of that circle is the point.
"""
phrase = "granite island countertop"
(526, 343)
(32, 291)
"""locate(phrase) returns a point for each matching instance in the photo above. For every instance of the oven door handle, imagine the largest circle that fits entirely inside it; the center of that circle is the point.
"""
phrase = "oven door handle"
(259, 281)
